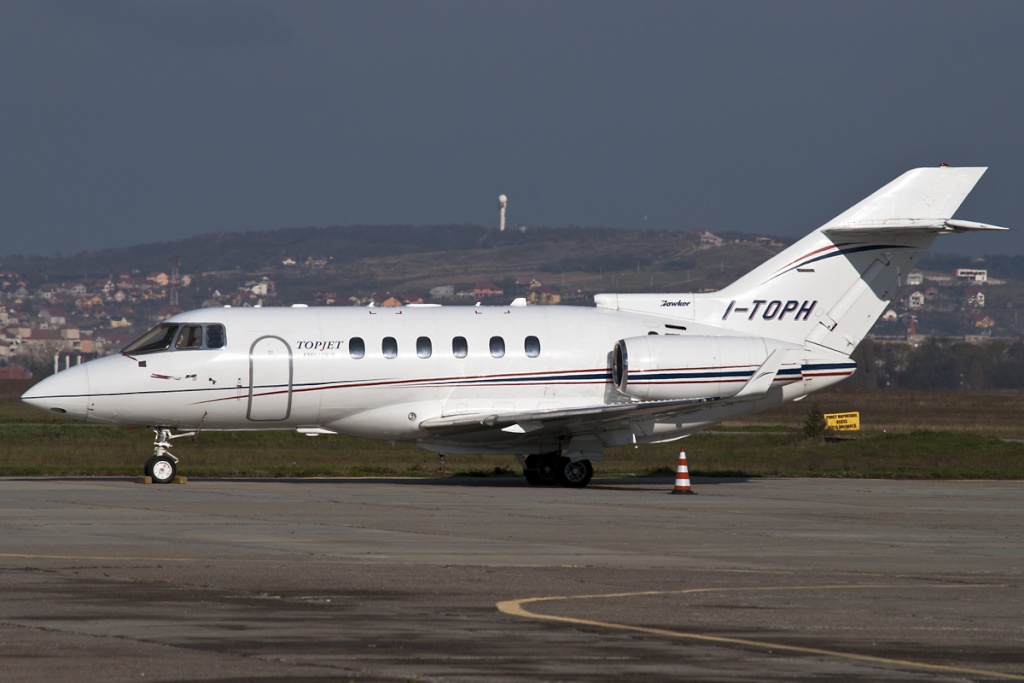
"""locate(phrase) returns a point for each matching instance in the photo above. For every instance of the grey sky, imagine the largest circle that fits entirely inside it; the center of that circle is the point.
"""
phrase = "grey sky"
(130, 122)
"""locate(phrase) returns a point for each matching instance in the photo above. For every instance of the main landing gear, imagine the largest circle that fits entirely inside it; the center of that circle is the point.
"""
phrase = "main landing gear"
(551, 468)
(163, 466)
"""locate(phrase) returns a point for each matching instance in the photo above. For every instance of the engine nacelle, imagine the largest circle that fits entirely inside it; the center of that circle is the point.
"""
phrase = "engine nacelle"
(657, 367)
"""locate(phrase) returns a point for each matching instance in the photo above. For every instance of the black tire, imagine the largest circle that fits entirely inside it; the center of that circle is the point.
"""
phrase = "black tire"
(541, 470)
(575, 474)
(161, 469)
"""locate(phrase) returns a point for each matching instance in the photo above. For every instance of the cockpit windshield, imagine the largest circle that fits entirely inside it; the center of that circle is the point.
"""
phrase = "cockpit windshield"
(168, 336)
(157, 339)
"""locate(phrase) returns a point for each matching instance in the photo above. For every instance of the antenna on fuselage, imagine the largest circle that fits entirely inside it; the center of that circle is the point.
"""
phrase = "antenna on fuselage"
(502, 203)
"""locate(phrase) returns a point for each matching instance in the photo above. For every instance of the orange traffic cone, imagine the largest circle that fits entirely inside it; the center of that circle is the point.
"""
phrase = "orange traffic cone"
(682, 475)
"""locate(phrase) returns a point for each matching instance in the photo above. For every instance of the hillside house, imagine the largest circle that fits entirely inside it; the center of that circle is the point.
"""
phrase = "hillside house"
(261, 288)
(89, 302)
(325, 298)
(52, 338)
(49, 291)
(53, 317)
(983, 321)
(915, 300)
(543, 295)
(974, 298)
(442, 292)
(531, 283)
(707, 240)
(485, 289)
(971, 274)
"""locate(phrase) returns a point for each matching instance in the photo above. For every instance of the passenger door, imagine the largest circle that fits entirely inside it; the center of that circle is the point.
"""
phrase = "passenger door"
(271, 371)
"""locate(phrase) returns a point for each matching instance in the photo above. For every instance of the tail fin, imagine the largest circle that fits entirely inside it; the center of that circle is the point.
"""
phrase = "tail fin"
(831, 286)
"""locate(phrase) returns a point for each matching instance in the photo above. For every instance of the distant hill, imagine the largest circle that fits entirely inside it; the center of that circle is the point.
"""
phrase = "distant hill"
(122, 292)
(399, 258)
(358, 260)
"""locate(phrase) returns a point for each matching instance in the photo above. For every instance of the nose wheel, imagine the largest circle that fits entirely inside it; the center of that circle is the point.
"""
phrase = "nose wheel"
(161, 469)
(163, 466)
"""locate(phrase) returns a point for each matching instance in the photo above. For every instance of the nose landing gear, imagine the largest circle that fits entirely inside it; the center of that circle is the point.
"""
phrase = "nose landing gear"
(163, 466)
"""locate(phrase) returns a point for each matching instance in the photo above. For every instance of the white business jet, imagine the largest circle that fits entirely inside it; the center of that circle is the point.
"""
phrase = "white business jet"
(553, 385)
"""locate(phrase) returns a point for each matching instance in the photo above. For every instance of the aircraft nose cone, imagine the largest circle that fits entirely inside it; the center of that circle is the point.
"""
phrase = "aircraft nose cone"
(66, 393)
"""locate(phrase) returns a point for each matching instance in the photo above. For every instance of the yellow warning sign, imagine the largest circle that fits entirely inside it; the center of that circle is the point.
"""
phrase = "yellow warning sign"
(843, 422)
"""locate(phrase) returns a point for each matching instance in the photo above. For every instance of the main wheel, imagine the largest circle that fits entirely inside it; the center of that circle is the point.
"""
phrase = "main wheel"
(161, 469)
(575, 474)
(541, 470)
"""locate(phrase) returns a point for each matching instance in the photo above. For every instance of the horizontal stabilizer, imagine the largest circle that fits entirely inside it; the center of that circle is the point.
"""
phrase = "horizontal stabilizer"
(902, 227)
(968, 226)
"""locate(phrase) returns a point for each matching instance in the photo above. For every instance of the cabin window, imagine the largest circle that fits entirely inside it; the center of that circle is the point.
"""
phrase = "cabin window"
(423, 347)
(389, 347)
(215, 336)
(460, 347)
(532, 347)
(497, 347)
(157, 339)
(190, 337)
(356, 347)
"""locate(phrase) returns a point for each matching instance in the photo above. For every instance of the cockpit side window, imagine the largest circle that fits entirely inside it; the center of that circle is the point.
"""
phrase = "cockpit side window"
(215, 336)
(190, 337)
(157, 339)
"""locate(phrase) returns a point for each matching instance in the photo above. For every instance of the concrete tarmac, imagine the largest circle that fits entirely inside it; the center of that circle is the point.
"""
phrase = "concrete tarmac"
(495, 580)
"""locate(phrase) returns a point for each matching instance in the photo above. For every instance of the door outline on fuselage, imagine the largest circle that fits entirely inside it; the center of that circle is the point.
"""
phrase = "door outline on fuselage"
(273, 409)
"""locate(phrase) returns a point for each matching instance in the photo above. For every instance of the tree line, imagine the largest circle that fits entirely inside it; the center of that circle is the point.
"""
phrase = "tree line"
(939, 364)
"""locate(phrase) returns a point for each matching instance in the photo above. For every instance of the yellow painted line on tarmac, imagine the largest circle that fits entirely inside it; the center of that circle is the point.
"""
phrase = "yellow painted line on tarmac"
(516, 608)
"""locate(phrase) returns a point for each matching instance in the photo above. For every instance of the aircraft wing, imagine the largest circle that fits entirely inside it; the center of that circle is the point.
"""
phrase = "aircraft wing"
(587, 418)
